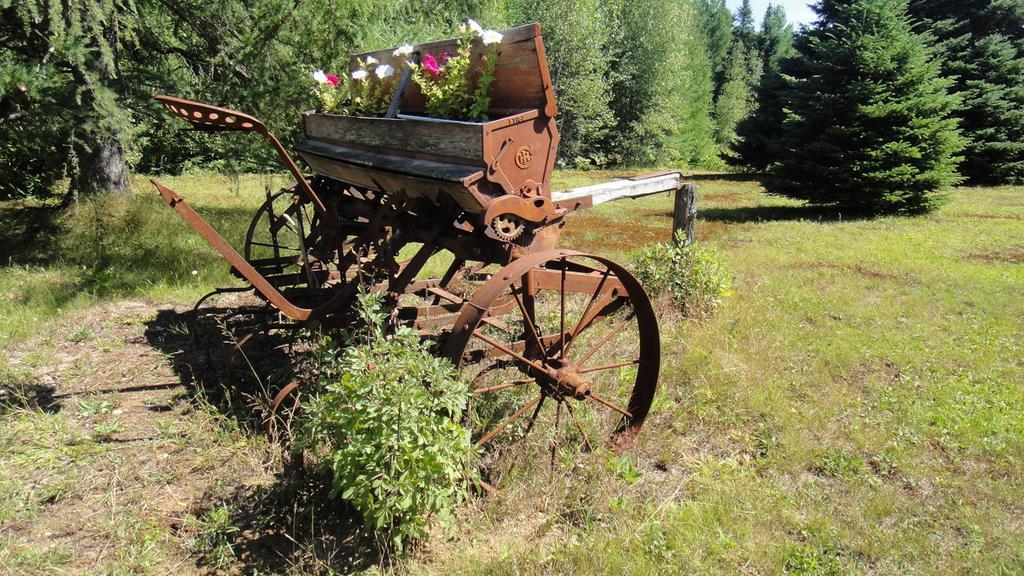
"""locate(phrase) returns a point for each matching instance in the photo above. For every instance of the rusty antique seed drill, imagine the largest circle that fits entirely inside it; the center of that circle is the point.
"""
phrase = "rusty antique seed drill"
(528, 324)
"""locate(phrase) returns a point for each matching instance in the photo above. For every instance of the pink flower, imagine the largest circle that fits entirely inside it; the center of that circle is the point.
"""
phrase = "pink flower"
(333, 80)
(443, 58)
(431, 64)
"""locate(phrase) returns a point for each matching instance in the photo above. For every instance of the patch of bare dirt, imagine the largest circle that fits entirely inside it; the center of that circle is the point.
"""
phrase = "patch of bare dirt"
(1008, 256)
(136, 451)
(857, 269)
(725, 198)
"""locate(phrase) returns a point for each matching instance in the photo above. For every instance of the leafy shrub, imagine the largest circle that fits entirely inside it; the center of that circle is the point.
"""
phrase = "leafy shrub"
(694, 276)
(387, 426)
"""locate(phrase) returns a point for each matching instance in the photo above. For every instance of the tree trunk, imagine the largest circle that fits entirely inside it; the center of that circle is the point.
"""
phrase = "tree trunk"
(100, 169)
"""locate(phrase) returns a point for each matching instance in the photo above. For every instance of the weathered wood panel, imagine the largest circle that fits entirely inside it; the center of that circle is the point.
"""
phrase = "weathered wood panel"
(456, 173)
(453, 140)
(619, 189)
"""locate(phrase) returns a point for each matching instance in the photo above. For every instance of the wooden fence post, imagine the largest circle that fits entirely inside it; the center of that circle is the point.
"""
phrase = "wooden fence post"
(684, 215)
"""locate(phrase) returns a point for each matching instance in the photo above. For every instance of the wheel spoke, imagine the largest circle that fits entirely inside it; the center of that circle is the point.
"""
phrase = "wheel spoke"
(554, 434)
(605, 340)
(586, 311)
(561, 295)
(479, 391)
(579, 426)
(518, 414)
(526, 434)
(600, 400)
(529, 320)
(610, 366)
(508, 351)
(278, 246)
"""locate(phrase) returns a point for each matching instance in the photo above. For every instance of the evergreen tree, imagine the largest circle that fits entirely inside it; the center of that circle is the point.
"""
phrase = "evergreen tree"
(745, 30)
(716, 23)
(734, 99)
(751, 148)
(982, 47)
(869, 123)
(68, 55)
(747, 35)
(775, 40)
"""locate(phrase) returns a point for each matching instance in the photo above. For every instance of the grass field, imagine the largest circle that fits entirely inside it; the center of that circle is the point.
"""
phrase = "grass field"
(856, 406)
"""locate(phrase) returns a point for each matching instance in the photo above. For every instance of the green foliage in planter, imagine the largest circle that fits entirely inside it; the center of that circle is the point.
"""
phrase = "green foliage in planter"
(692, 275)
(387, 427)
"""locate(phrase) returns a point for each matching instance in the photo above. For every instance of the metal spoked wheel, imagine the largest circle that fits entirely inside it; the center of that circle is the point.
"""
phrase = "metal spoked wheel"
(562, 351)
(283, 240)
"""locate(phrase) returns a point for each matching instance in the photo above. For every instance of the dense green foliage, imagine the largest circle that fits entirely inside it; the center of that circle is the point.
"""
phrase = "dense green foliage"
(754, 134)
(677, 82)
(869, 123)
(77, 88)
(387, 427)
(576, 36)
(659, 80)
(693, 276)
(734, 97)
(981, 43)
(716, 21)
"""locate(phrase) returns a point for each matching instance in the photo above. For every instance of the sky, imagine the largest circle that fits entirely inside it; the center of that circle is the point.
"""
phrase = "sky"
(796, 10)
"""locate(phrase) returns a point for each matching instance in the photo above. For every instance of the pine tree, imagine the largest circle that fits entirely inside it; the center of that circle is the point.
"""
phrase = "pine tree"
(982, 46)
(775, 40)
(80, 41)
(735, 100)
(745, 31)
(869, 125)
(716, 22)
(751, 148)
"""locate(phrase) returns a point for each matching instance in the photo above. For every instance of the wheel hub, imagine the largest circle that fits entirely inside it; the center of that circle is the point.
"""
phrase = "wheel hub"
(566, 381)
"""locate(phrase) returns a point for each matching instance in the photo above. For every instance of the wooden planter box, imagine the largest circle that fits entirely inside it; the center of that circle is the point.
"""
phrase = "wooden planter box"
(470, 163)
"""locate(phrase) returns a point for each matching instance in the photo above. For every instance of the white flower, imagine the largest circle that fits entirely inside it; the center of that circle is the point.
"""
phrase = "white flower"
(402, 51)
(491, 37)
(320, 77)
(475, 27)
(384, 70)
(370, 60)
(359, 75)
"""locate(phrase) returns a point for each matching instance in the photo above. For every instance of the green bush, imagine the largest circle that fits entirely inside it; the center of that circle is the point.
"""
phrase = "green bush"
(387, 428)
(693, 276)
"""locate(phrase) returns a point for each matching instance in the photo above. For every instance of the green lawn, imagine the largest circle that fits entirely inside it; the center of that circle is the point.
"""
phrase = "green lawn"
(856, 406)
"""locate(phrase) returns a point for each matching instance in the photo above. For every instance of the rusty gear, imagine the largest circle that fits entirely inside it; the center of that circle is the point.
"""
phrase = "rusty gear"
(508, 227)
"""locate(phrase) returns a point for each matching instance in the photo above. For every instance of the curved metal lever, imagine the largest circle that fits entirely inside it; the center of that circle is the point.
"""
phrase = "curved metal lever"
(209, 118)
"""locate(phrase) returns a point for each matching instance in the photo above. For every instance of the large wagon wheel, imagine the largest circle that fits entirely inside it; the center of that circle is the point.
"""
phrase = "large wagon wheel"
(558, 340)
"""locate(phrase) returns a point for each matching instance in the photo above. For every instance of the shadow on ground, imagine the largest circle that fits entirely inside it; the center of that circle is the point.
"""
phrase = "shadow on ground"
(28, 234)
(291, 526)
(236, 359)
